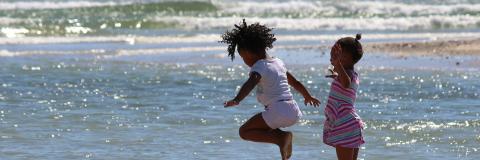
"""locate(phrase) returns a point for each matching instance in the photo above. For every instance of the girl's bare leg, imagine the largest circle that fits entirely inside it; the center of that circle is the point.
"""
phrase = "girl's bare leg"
(355, 154)
(289, 138)
(255, 129)
(345, 153)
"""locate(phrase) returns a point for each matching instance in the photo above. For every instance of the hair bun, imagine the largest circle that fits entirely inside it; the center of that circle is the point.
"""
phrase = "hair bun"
(358, 36)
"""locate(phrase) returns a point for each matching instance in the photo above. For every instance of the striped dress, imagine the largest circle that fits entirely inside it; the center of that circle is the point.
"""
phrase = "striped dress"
(343, 127)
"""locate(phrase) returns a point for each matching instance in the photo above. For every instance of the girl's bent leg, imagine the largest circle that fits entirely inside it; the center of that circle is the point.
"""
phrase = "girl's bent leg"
(255, 129)
(288, 139)
(345, 153)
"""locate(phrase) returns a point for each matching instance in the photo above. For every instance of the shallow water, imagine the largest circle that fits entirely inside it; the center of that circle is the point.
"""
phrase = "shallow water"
(85, 107)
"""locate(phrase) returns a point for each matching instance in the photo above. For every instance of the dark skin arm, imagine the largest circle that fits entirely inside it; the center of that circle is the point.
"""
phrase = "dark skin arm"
(247, 87)
(343, 76)
(292, 81)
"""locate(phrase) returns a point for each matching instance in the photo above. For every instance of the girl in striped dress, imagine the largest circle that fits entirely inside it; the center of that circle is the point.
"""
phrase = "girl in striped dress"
(343, 127)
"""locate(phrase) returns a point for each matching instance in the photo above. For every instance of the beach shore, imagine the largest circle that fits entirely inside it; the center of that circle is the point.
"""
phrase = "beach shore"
(428, 48)
(447, 47)
(122, 46)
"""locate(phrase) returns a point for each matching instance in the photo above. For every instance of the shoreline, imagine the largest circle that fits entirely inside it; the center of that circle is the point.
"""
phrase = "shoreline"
(120, 46)
(442, 48)
(449, 47)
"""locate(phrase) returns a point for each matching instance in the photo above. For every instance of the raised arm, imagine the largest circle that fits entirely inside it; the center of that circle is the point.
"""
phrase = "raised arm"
(343, 76)
(292, 81)
(247, 87)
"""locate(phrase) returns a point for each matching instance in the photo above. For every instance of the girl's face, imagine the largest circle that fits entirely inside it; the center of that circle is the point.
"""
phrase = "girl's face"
(248, 57)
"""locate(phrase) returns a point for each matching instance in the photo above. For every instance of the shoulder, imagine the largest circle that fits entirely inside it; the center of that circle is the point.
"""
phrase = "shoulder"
(259, 64)
(259, 67)
(277, 60)
(352, 74)
(354, 78)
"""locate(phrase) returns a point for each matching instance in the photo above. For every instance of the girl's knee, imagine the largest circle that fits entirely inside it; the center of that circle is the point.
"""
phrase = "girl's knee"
(241, 132)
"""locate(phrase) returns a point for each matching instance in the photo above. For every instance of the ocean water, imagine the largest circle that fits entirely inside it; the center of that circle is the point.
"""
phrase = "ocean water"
(147, 79)
(85, 107)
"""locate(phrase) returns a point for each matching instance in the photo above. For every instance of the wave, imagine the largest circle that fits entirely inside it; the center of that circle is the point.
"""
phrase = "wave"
(309, 9)
(214, 38)
(42, 7)
(24, 5)
(373, 23)
(91, 17)
(114, 46)
(6, 53)
(211, 23)
(285, 9)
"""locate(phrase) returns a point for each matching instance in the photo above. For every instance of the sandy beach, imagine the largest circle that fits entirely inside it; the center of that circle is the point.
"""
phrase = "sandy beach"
(448, 47)
(428, 48)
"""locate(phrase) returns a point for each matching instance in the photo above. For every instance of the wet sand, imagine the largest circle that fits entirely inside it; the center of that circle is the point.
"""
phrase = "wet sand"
(444, 48)
(452, 47)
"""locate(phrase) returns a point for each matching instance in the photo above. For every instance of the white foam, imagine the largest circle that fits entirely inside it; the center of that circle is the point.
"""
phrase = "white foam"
(250, 7)
(303, 8)
(379, 36)
(214, 38)
(413, 9)
(7, 20)
(6, 53)
(336, 8)
(119, 52)
(14, 32)
(167, 50)
(121, 39)
(340, 15)
(56, 40)
(201, 38)
(374, 23)
(55, 5)
(297, 15)
(77, 30)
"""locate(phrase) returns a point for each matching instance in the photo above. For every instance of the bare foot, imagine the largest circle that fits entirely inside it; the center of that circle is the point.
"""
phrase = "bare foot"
(286, 145)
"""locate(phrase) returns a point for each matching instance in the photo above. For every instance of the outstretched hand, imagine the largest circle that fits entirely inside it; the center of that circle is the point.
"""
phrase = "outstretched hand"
(333, 74)
(230, 103)
(312, 101)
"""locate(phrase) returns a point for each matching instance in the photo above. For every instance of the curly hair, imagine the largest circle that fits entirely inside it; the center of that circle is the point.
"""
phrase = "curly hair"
(254, 37)
(352, 46)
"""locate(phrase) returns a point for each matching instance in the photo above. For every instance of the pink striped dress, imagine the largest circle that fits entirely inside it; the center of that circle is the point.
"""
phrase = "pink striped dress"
(343, 127)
